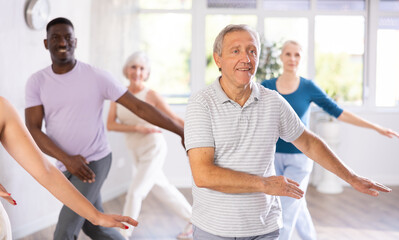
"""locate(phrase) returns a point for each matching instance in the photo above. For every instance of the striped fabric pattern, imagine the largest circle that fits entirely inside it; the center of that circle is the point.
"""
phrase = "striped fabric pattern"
(244, 139)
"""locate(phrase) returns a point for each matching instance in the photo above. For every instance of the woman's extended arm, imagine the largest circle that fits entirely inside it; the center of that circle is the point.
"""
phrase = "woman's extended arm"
(160, 103)
(351, 118)
(113, 125)
(20, 145)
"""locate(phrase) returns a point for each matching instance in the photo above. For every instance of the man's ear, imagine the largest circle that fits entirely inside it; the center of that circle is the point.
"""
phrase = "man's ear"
(45, 43)
(216, 57)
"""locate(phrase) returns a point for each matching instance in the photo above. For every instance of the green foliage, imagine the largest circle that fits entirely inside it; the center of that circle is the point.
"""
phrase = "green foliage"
(212, 71)
(268, 61)
(340, 75)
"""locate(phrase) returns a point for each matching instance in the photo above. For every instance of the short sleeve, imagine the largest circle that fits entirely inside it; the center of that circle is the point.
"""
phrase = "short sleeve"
(32, 92)
(111, 88)
(324, 101)
(270, 84)
(291, 126)
(198, 126)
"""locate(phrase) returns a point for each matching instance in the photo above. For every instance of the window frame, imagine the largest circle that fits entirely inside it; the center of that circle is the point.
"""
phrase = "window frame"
(371, 14)
(374, 14)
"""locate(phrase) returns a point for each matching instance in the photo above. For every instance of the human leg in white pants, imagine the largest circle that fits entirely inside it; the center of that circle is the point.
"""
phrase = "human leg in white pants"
(305, 230)
(298, 168)
(150, 153)
(171, 197)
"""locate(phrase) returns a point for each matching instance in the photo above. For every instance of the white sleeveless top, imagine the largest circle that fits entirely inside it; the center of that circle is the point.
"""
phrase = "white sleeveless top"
(5, 226)
(125, 116)
(137, 140)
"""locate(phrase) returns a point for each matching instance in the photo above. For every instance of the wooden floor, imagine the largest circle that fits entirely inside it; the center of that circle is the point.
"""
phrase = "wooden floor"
(349, 215)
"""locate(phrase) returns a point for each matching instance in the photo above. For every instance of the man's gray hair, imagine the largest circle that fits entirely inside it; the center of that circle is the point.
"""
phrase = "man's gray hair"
(218, 44)
(137, 57)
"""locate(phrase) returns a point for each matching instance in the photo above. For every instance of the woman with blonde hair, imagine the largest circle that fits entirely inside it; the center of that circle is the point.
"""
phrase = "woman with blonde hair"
(289, 161)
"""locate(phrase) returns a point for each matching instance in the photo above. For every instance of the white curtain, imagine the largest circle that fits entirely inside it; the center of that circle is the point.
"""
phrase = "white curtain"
(114, 34)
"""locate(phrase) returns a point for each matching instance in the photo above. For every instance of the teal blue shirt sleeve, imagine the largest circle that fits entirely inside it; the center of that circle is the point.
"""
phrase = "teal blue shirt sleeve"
(300, 101)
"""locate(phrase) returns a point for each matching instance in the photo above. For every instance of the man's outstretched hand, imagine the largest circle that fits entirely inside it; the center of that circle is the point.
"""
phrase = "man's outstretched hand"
(282, 186)
(367, 186)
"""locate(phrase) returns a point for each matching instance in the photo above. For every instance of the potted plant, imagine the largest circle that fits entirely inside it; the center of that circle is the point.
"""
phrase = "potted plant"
(269, 66)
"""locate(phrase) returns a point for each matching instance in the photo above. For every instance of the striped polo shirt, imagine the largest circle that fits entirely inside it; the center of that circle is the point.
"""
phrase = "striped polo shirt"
(244, 139)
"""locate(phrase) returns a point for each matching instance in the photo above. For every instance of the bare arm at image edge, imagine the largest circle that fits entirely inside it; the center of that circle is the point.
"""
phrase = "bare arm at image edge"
(20, 145)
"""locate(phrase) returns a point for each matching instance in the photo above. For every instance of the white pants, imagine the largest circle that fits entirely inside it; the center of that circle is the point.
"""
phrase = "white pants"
(5, 226)
(295, 212)
(149, 151)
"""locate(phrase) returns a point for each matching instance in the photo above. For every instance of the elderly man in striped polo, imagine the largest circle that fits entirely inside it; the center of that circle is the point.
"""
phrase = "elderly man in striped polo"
(231, 131)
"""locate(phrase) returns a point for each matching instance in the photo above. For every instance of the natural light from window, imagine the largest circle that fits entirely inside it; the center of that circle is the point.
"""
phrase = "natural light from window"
(168, 44)
(336, 46)
(387, 82)
(278, 30)
(339, 49)
(165, 4)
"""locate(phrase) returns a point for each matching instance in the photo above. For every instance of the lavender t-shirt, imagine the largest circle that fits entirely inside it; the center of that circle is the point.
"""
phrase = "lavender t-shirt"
(73, 105)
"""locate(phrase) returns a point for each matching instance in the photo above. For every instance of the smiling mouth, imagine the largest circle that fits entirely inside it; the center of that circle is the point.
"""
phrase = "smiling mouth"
(62, 50)
(244, 69)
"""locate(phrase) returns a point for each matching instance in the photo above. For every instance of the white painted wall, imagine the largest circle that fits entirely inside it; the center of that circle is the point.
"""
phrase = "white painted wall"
(22, 53)
(369, 153)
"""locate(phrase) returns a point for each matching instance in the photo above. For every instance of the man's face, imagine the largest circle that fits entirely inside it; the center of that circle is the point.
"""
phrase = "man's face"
(239, 58)
(61, 43)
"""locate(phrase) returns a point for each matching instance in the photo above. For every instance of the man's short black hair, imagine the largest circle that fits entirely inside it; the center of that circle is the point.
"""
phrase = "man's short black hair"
(59, 20)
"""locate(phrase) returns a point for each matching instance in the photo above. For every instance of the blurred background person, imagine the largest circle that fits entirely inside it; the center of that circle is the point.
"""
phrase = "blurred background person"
(289, 161)
(148, 147)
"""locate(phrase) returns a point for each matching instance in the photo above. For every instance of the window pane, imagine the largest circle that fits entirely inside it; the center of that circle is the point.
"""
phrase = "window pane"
(231, 3)
(341, 5)
(213, 25)
(277, 31)
(387, 84)
(165, 4)
(339, 49)
(169, 53)
(389, 5)
(286, 4)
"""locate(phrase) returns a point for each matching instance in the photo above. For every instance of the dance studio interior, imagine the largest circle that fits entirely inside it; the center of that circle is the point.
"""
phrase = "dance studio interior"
(349, 48)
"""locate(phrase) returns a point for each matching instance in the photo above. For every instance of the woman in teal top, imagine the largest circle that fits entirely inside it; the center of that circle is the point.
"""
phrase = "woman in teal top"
(289, 161)
(300, 100)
